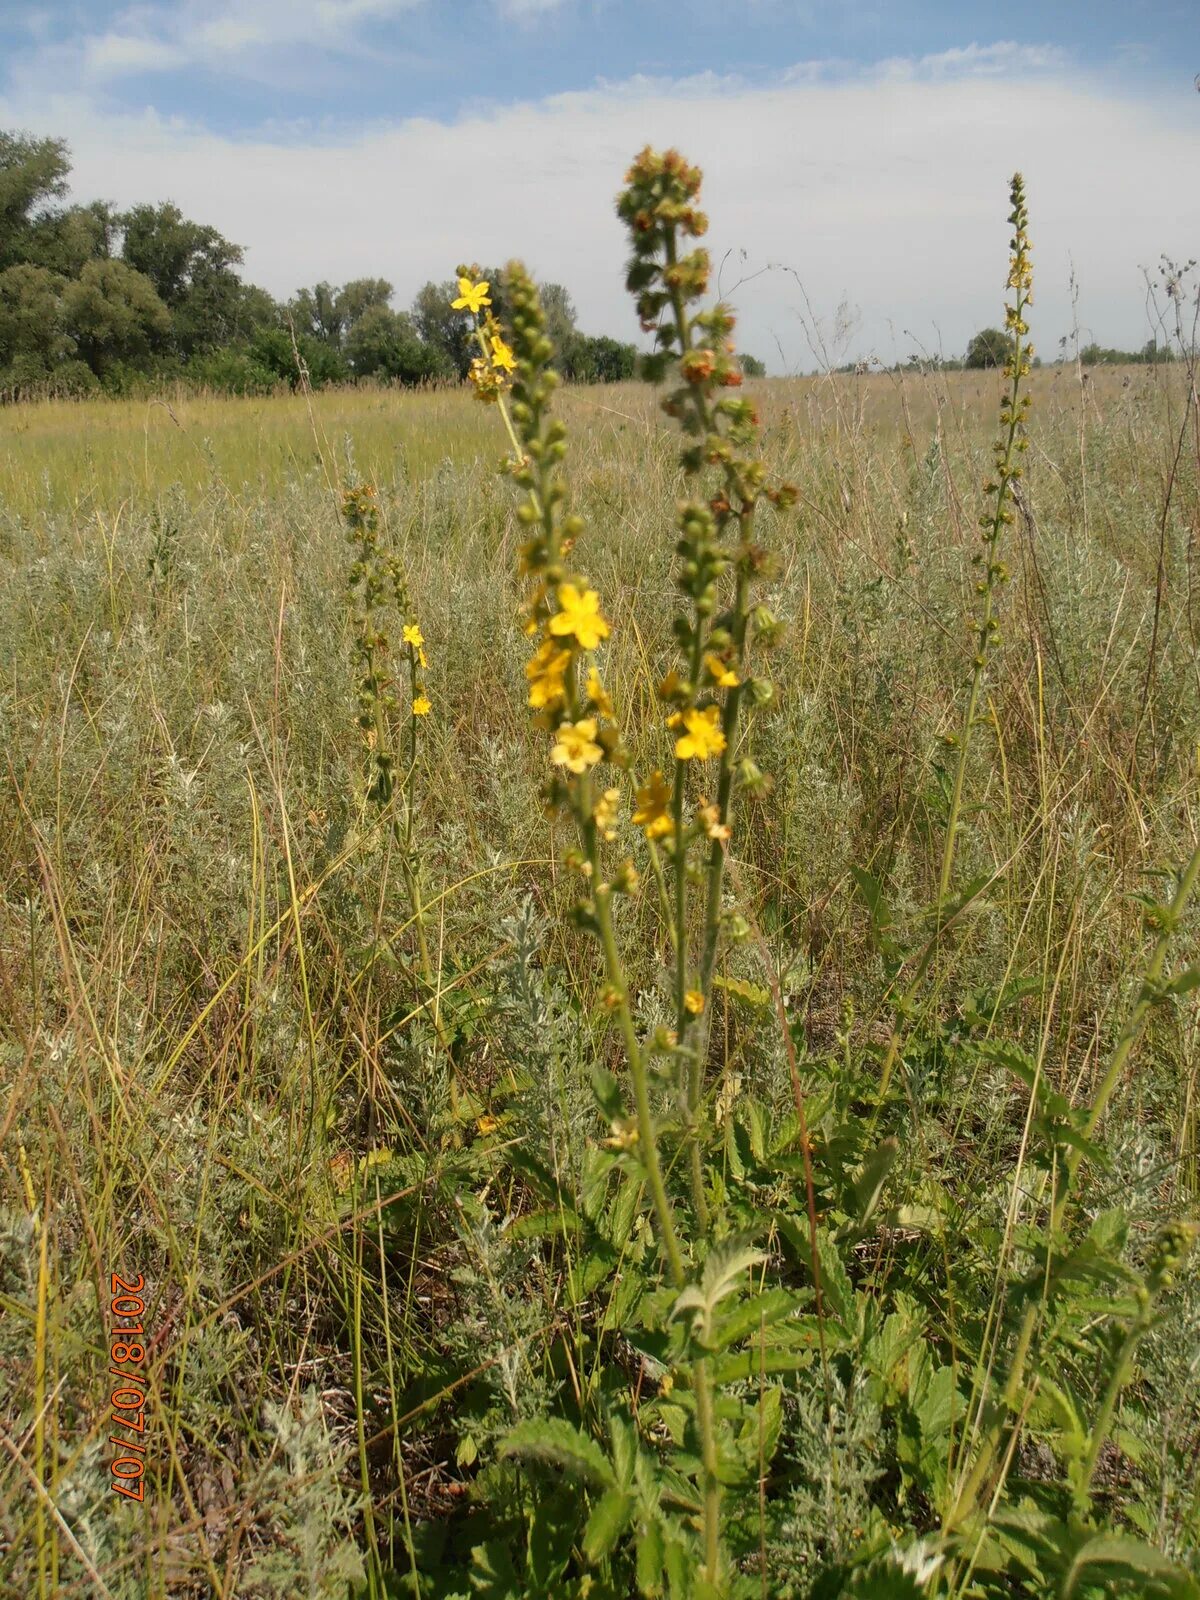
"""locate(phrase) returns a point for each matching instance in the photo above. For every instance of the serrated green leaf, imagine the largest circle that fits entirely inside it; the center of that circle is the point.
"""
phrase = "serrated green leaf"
(837, 1292)
(1121, 1556)
(870, 1178)
(724, 1271)
(752, 993)
(608, 1521)
(761, 1311)
(556, 1441)
(650, 1555)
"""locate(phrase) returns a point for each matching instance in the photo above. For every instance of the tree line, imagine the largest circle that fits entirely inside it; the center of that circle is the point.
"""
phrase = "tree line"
(990, 348)
(92, 297)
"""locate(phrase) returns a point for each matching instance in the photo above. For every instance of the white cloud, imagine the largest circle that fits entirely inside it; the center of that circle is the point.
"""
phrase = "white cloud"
(232, 35)
(109, 55)
(886, 190)
(527, 10)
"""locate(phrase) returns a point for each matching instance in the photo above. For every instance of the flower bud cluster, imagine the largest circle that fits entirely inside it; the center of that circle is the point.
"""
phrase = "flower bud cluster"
(375, 585)
(1014, 410)
(721, 428)
(562, 612)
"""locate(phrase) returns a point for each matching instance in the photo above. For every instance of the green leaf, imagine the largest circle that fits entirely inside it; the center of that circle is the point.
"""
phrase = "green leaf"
(608, 1521)
(545, 1224)
(548, 1547)
(650, 1556)
(752, 993)
(1122, 1556)
(837, 1292)
(883, 921)
(724, 1271)
(761, 1311)
(607, 1091)
(870, 1178)
(556, 1441)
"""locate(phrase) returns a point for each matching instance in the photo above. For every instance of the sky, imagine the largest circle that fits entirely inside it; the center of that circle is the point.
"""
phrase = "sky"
(856, 154)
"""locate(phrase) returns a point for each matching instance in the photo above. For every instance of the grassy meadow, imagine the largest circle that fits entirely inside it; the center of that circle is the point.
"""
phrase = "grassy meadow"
(215, 1074)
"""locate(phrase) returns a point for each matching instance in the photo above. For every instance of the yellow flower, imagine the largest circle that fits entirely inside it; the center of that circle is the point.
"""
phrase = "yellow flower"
(703, 737)
(545, 672)
(472, 296)
(720, 674)
(502, 356)
(421, 706)
(653, 802)
(487, 1124)
(598, 694)
(579, 614)
(413, 635)
(606, 812)
(693, 1002)
(576, 748)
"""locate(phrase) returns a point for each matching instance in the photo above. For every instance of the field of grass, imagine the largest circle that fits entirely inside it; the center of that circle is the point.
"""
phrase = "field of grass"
(214, 1074)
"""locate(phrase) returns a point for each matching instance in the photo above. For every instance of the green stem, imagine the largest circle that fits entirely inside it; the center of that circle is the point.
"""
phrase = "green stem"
(1121, 1373)
(1007, 473)
(647, 1137)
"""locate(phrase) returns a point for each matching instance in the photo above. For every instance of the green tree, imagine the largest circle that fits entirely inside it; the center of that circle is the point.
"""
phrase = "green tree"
(589, 358)
(272, 352)
(66, 240)
(383, 343)
(115, 316)
(989, 348)
(443, 330)
(192, 269)
(360, 296)
(560, 314)
(752, 367)
(35, 347)
(317, 314)
(33, 174)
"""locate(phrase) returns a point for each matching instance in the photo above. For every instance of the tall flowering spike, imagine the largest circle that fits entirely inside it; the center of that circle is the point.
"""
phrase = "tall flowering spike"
(490, 371)
(718, 558)
(1000, 486)
(563, 613)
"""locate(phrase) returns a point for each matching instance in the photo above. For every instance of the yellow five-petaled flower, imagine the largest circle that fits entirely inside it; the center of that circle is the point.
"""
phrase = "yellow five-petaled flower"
(502, 356)
(422, 706)
(703, 737)
(471, 296)
(579, 615)
(653, 803)
(414, 637)
(576, 747)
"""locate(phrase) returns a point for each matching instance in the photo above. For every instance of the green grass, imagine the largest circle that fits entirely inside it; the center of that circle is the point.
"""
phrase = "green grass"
(199, 1036)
